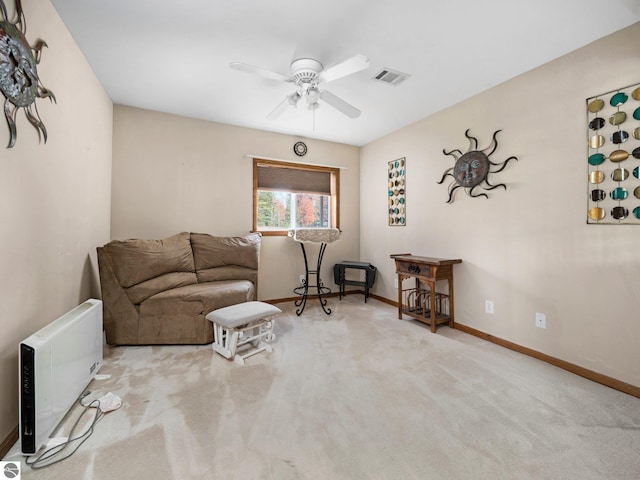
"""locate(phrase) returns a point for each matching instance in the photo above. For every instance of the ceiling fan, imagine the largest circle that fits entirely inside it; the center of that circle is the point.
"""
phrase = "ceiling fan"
(307, 74)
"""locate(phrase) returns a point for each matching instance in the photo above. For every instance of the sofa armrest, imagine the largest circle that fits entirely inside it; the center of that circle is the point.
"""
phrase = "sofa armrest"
(120, 316)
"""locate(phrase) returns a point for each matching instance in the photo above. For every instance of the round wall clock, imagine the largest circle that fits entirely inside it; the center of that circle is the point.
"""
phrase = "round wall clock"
(300, 149)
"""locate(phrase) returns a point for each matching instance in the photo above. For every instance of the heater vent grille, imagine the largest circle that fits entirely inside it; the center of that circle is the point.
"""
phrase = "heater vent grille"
(390, 76)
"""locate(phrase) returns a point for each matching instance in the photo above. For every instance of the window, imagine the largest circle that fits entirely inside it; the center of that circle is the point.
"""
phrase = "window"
(292, 195)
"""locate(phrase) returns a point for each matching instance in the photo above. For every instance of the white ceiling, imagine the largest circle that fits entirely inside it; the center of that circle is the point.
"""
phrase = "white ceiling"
(173, 56)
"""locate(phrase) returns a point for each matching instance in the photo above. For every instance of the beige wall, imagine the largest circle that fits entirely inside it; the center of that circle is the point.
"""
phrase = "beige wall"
(174, 174)
(528, 249)
(55, 199)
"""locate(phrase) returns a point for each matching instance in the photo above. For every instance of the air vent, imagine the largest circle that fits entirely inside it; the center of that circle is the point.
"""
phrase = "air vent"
(390, 77)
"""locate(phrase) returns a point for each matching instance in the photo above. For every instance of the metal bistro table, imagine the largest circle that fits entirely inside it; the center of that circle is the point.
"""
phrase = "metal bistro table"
(323, 236)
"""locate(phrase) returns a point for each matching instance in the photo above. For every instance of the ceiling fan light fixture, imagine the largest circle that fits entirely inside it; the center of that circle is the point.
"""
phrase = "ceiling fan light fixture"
(293, 99)
(313, 95)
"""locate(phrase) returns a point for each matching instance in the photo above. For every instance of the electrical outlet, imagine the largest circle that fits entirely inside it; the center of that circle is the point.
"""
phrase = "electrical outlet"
(541, 320)
(395, 283)
(488, 306)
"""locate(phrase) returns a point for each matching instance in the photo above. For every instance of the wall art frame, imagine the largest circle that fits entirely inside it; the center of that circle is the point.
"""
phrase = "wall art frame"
(613, 157)
(396, 186)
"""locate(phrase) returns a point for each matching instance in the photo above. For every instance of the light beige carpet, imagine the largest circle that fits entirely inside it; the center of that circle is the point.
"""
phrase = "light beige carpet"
(355, 395)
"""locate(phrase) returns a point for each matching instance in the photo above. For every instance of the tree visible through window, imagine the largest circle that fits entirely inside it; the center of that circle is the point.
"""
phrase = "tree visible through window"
(291, 195)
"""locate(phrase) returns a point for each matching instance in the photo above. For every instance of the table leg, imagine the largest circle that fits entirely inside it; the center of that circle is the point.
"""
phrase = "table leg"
(432, 301)
(321, 289)
(399, 297)
(452, 323)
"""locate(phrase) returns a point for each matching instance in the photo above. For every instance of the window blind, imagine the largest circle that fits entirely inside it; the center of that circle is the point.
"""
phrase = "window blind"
(271, 177)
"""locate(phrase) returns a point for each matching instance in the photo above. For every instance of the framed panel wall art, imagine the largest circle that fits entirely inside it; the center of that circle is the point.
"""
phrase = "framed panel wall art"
(397, 192)
(613, 157)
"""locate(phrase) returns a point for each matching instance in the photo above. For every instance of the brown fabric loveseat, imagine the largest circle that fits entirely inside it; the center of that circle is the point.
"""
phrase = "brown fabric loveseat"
(159, 291)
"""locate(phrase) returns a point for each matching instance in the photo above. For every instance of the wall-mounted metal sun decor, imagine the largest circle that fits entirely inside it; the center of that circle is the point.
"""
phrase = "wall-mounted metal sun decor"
(472, 168)
(19, 80)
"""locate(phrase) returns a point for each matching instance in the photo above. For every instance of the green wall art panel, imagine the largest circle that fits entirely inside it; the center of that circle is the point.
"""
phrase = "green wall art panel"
(613, 157)
(396, 192)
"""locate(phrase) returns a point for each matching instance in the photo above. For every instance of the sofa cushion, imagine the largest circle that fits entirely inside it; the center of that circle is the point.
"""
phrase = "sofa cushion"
(177, 316)
(197, 299)
(140, 292)
(232, 272)
(212, 252)
(135, 261)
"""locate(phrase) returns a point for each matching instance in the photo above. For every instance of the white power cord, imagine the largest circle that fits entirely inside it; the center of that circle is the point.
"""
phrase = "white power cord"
(50, 456)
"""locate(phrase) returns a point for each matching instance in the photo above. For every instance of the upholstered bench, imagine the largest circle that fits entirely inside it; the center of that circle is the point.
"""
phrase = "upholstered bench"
(231, 323)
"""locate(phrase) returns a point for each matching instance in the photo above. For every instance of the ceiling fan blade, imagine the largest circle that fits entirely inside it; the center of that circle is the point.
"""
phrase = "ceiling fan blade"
(278, 110)
(243, 67)
(344, 68)
(339, 104)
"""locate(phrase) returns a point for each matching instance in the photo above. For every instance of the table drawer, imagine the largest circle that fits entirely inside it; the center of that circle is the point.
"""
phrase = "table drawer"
(417, 269)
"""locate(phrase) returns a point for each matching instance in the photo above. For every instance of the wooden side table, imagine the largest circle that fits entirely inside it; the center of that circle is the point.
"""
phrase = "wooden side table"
(425, 304)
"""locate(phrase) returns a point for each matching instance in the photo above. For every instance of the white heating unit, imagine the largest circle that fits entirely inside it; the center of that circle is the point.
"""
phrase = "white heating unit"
(55, 366)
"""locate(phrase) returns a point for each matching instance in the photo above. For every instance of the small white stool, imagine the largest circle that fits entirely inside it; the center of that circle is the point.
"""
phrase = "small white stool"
(231, 323)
